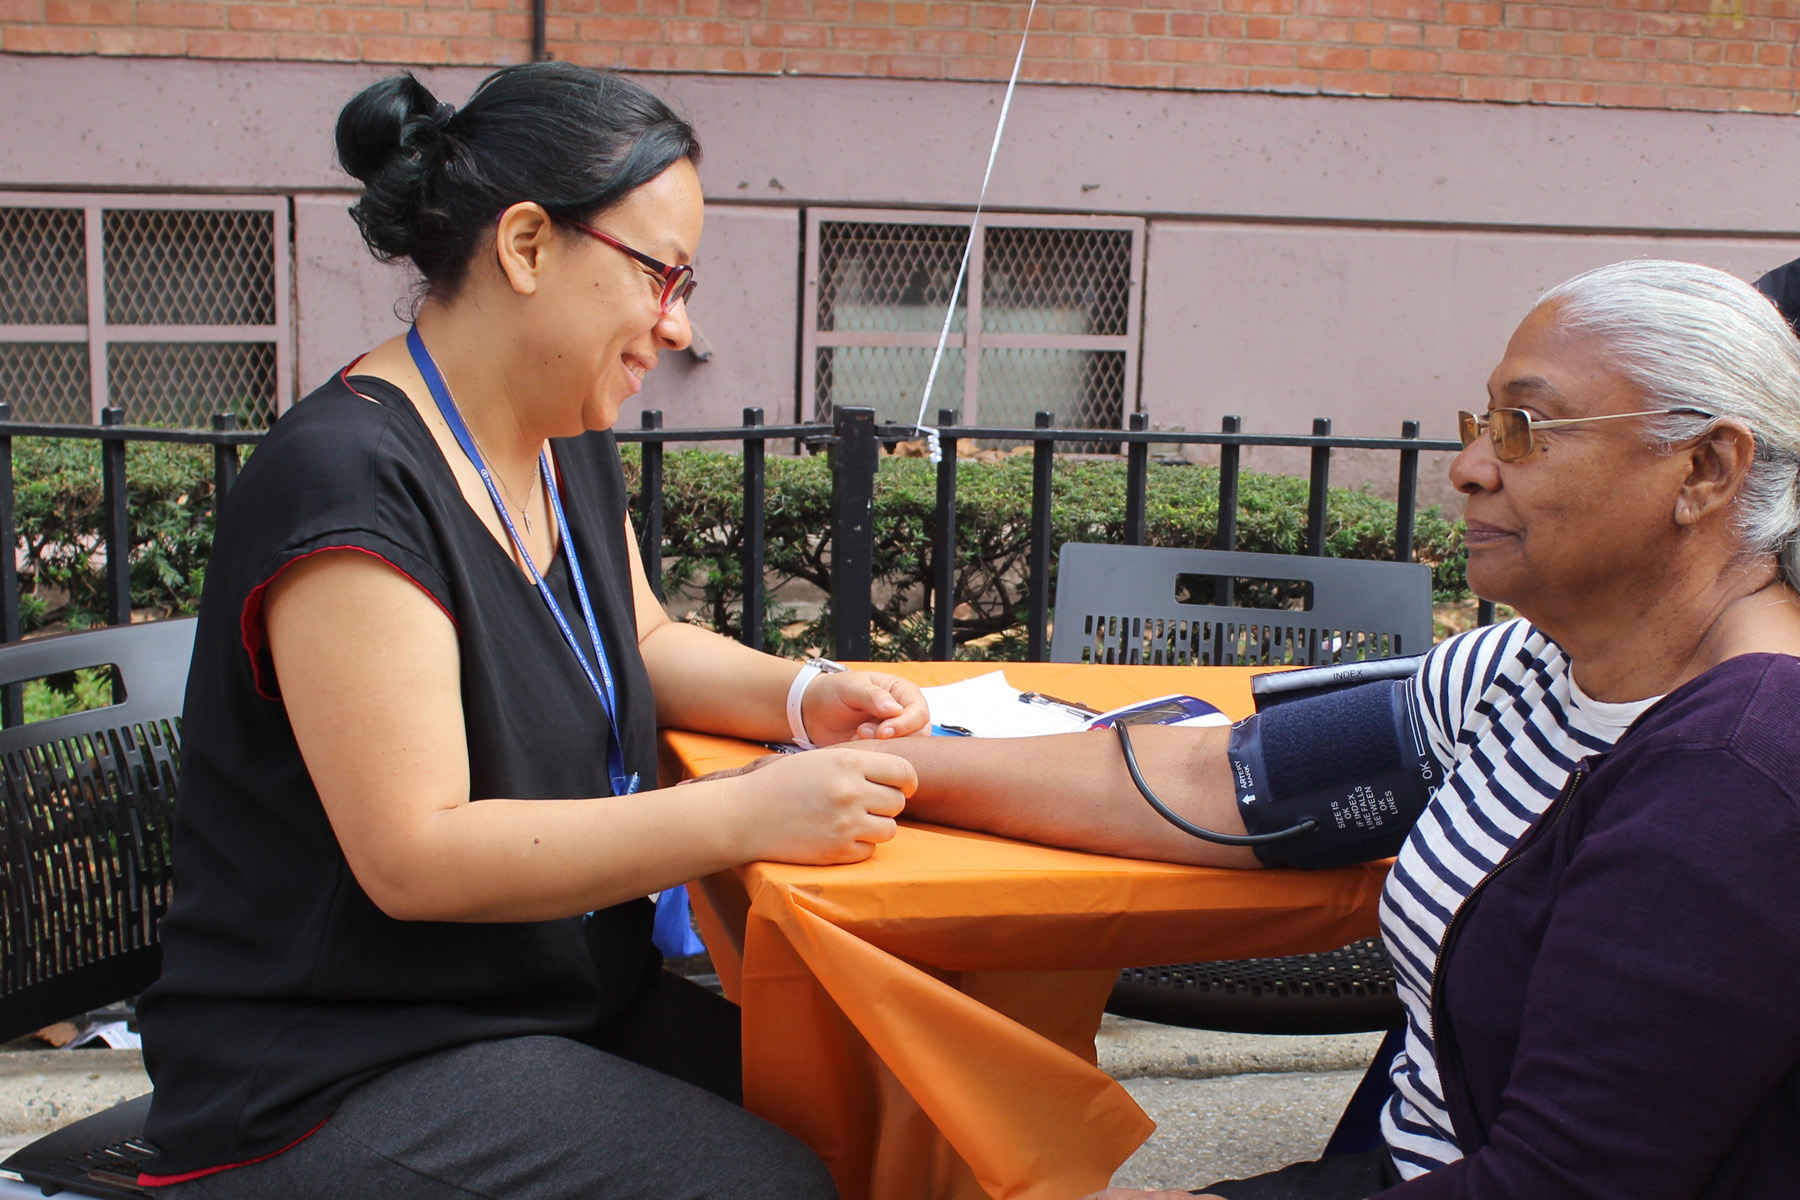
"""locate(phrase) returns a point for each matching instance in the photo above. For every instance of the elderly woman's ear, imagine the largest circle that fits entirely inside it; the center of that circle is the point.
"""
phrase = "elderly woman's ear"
(1717, 465)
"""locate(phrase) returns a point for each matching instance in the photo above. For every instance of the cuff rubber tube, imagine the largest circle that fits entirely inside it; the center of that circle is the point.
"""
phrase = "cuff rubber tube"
(1353, 762)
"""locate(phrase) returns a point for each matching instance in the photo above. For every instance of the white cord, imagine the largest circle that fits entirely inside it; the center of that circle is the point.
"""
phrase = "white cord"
(933, 446)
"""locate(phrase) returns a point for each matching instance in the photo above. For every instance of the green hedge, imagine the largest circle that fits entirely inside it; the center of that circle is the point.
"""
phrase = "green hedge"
(703, 535)
(60, 518)
(62, 571)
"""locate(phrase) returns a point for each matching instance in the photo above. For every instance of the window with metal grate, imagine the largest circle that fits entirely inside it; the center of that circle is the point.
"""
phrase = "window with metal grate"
(1047, 318)
(172, 308)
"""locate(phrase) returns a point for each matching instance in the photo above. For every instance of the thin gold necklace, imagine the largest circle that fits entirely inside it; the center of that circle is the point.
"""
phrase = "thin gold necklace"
(524, 509)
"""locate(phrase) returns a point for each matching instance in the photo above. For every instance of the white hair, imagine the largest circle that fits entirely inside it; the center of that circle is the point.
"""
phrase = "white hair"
(1694, 337)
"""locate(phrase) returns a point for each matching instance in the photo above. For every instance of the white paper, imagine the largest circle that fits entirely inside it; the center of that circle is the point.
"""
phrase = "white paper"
(116, 1034)
(989, 706)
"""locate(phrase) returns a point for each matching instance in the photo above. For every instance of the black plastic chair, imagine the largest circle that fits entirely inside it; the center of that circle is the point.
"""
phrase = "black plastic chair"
(1158, 605)
(1341, 991)
(1153, 605)
(85, 814)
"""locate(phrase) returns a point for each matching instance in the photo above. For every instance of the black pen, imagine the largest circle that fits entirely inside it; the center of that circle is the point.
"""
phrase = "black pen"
(1071, 706)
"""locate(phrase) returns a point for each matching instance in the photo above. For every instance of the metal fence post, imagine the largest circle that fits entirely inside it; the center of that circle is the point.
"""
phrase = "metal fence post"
(754, 527)
(1318, 489)
(1408, 496)
(1037, 596)
(943, 549)
(12, 710)
(1137, 480)
(225, 463)
(650, 537)
(855, 457)
(115, 503)
(1230, 456)
(9, 536)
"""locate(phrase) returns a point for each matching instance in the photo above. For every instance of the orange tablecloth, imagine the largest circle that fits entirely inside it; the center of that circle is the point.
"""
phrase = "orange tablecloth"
(925, 1020)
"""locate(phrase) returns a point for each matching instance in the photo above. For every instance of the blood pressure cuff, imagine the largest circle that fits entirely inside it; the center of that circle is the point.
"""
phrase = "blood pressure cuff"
(1354, 761)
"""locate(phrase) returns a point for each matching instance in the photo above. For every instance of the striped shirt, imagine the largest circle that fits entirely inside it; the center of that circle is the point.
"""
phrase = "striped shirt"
(1507, 725)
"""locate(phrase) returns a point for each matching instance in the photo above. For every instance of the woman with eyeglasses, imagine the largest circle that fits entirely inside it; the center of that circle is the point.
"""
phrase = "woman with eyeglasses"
(1594, 920)
(411, 951)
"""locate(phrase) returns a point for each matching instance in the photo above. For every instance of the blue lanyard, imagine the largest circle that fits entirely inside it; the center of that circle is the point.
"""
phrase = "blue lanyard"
(623, 783)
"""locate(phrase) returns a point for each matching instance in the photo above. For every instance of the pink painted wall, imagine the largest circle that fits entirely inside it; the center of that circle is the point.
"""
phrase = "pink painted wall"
(1357, 258)
(344, 300)
(748, 308)
(158, 123)
(1265, 157)
(1280, 324)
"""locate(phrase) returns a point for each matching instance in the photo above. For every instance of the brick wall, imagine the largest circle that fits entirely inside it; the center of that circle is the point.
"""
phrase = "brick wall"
(1713, 55)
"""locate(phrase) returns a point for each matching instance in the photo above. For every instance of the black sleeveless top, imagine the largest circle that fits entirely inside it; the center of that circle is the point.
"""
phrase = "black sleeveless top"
(283, 985)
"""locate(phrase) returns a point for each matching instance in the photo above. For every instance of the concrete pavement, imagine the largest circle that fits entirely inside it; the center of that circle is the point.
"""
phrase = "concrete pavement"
(1228, 1105)
(42, 1090)
(1232, 1126)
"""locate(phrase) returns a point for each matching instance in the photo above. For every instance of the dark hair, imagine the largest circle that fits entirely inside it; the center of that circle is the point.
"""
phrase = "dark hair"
(435, 177)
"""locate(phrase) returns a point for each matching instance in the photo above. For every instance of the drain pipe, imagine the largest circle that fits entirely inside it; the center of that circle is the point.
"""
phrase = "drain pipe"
(539, 12)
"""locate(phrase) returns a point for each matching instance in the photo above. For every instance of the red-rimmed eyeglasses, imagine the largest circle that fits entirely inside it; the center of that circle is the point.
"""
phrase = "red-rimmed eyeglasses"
(678, 281)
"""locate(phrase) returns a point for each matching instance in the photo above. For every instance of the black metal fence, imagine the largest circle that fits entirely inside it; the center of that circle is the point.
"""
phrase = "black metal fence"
(853, 440)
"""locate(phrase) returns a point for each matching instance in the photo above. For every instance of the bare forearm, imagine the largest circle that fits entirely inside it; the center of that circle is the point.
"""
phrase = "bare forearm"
(705, 682)
(525, 860)
(369, 669)
(535, 860)
(1073, 790)
(711, 683)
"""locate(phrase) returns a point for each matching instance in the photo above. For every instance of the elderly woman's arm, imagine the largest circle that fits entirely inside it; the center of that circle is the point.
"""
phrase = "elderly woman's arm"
(1070, 791)
(1073, 790)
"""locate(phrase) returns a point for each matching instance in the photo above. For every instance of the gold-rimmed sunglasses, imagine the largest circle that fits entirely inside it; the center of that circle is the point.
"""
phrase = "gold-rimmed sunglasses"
(1511, 428)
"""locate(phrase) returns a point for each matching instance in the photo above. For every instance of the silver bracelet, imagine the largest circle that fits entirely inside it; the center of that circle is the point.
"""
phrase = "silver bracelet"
(809, 670)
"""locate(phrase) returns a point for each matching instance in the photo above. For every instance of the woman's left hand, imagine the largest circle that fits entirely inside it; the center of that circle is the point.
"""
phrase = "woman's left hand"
(862, 704)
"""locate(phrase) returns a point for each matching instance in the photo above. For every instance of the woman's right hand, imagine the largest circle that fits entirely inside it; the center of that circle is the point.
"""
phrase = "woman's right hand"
(832, 805)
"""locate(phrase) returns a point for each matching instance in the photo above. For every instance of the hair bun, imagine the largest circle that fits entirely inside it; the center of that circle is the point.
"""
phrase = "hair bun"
(382, 122)
(390, 136)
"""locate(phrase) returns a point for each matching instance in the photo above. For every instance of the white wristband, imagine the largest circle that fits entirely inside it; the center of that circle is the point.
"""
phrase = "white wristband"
(810, 670)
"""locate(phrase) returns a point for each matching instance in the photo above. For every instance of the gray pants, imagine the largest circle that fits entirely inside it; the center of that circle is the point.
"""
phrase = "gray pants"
(533, 1118)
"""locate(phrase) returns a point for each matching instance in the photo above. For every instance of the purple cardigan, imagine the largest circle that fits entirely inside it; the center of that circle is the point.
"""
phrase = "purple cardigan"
(1617, 1006)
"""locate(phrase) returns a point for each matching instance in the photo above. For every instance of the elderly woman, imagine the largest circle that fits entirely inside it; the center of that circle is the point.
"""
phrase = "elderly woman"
(410, 956)
(1594, 923)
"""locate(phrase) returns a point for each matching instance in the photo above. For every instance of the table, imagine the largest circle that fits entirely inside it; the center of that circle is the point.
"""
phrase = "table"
(925, 1020)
